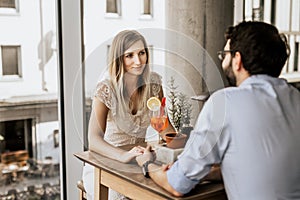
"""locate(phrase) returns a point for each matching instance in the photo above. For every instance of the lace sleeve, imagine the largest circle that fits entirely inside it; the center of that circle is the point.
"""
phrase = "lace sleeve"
(104, 93)
(155, 84)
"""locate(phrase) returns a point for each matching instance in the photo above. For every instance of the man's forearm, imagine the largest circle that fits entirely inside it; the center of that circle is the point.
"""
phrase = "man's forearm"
(214, 174)
(159, 175)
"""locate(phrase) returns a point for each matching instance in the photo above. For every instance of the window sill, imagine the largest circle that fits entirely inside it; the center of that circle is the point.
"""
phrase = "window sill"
(9, 11)
(112, 15)
(10, 78)
(146, 17)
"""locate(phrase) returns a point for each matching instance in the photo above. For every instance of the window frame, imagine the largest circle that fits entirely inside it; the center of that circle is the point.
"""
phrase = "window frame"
(144, 15)
(116, 14)
(71, 105)
(19, 63)
(10, 11)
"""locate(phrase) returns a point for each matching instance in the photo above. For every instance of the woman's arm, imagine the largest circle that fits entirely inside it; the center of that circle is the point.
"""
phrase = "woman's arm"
(96, 130)
(157, 173)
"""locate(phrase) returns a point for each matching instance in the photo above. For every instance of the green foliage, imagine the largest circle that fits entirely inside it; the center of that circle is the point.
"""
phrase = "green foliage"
(179, 107)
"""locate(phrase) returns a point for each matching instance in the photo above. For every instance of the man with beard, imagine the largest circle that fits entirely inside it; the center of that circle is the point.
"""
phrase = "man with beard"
(251, 130)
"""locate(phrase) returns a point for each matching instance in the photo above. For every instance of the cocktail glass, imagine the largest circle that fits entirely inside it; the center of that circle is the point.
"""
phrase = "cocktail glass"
(159, 121)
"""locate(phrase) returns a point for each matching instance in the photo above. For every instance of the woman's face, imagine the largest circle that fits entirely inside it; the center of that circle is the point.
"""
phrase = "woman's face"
(135, 59)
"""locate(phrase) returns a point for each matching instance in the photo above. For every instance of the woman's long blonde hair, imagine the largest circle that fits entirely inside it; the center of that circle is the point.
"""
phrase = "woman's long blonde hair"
(120, 44)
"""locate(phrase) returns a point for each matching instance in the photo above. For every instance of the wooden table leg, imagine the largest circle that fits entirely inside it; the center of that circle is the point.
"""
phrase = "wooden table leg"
(100, 191)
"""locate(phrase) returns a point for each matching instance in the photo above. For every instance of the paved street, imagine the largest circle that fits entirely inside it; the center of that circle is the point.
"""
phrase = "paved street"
(36, 181)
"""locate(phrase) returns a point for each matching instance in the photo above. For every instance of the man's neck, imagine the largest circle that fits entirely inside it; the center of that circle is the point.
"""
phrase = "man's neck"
(243, 75)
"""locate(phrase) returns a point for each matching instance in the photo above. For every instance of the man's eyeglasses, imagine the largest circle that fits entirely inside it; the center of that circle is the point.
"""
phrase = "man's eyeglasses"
(222, 54)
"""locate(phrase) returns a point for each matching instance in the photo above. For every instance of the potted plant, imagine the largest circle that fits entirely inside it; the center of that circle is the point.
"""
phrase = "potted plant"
(179, 111)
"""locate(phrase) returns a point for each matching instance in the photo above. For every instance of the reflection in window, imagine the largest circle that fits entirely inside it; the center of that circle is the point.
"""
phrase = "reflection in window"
(17, 135)
(29, 113)
(296, 58)
(10, 60)
(56, 138)
(257, 14)
(107, 55)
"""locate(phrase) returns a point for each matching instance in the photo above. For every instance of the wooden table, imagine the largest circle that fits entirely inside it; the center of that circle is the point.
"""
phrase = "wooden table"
(129, 180)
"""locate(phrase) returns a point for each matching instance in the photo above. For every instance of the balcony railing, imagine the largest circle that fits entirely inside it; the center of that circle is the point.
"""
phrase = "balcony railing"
(291, 70)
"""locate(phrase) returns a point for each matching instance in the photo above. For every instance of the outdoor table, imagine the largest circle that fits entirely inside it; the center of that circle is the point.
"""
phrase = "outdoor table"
(128, 180)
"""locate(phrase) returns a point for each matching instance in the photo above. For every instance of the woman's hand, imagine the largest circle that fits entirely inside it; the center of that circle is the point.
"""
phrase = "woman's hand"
(146, 156)
(128, 156)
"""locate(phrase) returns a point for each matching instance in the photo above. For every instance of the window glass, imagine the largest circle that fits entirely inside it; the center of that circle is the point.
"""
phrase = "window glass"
(7, 3)
(29, 125)
(111, 6)
(10, 60)
(147, 7)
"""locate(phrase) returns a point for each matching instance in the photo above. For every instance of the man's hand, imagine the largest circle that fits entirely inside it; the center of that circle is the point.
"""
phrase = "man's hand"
(146, 156)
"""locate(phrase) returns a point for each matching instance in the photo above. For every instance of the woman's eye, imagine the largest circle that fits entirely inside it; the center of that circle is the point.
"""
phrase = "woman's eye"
(129, 55)
(142, 52)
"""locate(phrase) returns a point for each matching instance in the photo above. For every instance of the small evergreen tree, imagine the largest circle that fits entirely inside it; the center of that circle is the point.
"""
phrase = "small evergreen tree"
(179, 108)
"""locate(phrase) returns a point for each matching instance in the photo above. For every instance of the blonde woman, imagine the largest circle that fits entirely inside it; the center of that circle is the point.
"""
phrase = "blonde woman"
(119, 113)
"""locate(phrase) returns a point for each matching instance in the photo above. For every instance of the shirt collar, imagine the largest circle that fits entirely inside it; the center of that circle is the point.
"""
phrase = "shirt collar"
(261, 78)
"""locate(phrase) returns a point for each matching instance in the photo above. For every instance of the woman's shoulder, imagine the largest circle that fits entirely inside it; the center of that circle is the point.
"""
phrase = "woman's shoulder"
(103, 88)
(104, 92)
(103, 83)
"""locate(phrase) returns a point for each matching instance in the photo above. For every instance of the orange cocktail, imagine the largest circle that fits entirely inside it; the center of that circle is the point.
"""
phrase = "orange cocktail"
(158, 114)
(159, 123)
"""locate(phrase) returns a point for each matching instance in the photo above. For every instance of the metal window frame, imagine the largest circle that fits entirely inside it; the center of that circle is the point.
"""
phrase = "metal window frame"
(71, 104)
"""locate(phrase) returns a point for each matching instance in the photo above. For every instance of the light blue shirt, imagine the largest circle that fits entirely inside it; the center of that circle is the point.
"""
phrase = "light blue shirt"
(254, 132)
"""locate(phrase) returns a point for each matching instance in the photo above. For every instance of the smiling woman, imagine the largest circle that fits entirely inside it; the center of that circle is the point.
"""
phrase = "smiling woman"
(119, 113)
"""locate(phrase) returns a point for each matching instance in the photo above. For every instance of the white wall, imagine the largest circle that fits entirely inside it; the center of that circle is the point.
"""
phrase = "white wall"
(26, 29)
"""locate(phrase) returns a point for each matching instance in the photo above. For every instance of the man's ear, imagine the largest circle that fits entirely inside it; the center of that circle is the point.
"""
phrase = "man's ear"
(237, 61)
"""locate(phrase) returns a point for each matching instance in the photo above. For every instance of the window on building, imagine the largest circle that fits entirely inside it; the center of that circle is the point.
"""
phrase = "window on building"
(7, 3)
(11, 64)
(147, 7)
(257, 14)
(254, 10)
(8, 6)
(113, 8)
(151, 53)
(146, 10)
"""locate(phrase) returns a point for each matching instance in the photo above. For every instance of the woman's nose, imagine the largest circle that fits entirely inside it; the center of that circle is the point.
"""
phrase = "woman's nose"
(137, 59)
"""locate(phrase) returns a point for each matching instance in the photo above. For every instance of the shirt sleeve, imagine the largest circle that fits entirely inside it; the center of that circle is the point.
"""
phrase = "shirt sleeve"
(104, 94)
(205, 147)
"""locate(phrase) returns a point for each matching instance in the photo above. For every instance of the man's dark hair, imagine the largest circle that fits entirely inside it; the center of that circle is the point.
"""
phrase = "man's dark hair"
(263, 50)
